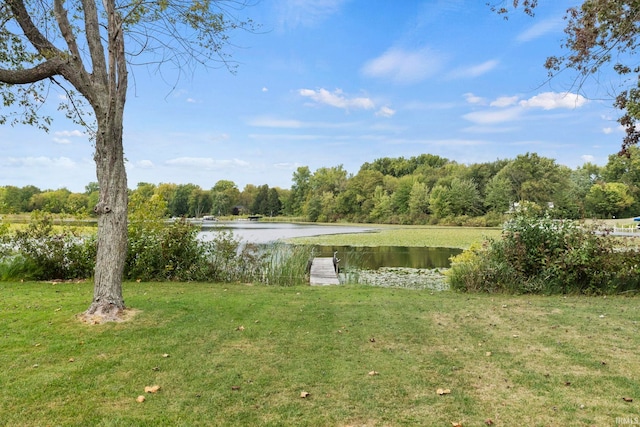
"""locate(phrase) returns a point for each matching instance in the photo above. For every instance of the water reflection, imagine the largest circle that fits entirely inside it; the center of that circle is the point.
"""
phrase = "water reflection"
(372, 258)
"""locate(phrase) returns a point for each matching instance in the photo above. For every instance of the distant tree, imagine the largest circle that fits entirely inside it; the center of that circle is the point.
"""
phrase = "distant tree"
(199, 202)
(624, 169)
(224, 196)
(313, 207)
(399, 167)
(382, 209)
(260, 202)
(609, 199)
(300, 190)
(459, 198)
(356, 201)
(500, 194)
(146, 190)
(535, 179)
(402, 194)
(91, 188)
(482, 173)
(16, 200)
(77, 204)
(274, 205)
(51, 201)
(418, 200)
(247, 196)
(331, 179)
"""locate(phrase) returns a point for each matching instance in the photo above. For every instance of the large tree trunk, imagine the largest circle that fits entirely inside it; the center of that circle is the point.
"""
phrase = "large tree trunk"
(112, 221)
(108, 99)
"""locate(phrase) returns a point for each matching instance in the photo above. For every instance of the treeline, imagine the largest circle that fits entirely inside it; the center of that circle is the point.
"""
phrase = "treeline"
(419, 190)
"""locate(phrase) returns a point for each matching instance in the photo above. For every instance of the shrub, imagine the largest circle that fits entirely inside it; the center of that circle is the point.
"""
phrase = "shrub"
(541, 255)
(47, 253)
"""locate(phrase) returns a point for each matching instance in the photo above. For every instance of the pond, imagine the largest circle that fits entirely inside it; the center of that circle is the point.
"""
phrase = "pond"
(366, 257)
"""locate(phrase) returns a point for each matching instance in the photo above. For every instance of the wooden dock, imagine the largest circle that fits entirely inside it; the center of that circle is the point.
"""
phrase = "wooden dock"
(323, 272)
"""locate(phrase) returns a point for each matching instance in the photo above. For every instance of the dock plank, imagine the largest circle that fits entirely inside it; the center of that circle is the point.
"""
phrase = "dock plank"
(323, 272)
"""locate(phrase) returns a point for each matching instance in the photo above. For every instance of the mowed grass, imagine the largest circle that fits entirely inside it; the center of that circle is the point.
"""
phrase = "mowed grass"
(390, 235)
(240, 355)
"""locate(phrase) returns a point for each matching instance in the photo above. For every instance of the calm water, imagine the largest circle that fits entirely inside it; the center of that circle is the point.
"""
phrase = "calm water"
(361, 257)
(372, 258)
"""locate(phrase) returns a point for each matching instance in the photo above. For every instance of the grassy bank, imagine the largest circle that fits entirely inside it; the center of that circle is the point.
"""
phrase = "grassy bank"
(388, 235)
(243, 355)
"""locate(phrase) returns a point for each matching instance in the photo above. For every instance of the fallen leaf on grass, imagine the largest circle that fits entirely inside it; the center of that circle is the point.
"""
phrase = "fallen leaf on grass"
(488, 353)
(165, 355)
(304, 395)
(140, 399)
(235, 387)
(373, 373)
(240, 328)
(456, 424)
(71, 360)
(152, 389)
(442, 391)
(627, 399)
(488, 422)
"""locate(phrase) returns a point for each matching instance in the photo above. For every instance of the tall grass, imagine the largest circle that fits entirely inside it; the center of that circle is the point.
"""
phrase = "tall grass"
(286, 265)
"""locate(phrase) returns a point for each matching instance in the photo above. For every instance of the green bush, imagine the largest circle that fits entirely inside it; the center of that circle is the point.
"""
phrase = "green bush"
(47, 253)
(541, 255)
(165, 253)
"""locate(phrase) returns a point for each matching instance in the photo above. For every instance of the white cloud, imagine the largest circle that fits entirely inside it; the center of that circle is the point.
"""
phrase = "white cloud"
(607, 130)
(473, 99)
(69, 133)
(191, 100)
(265, 89)
(539, 29)
(385, 112)
(474, 70)
(337, 99)
(206, 163)
(307, 12)
(61, 140)
(494, 116)
(145, 164)
(269, 122)
(404, 67)
(40, 162)
(553, 100)
(504, 101)
(588, 158)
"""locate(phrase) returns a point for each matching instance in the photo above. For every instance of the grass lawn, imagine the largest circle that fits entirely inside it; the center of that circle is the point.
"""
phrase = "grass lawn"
(238, 355)
(414, 235)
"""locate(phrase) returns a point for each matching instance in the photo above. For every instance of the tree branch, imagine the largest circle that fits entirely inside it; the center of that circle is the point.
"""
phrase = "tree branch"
(96, 50)
(40, 72)
(65, 27)
(36, 38)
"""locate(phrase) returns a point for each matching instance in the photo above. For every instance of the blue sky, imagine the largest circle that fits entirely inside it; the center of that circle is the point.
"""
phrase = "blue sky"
(343, 82)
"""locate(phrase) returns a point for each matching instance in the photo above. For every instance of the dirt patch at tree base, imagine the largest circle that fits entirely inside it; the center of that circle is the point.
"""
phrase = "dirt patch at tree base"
(114, 316)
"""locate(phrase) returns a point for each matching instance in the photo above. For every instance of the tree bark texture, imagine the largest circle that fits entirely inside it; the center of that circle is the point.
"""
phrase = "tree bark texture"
(110, 89)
